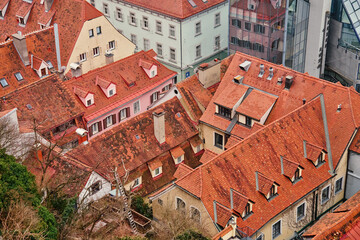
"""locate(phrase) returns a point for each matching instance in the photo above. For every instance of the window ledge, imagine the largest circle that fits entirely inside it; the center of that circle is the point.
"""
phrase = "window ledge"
(197, 34)
(339, 191)
(297, 180)
(172, 37)
(325, 201)
(160, 33)
(171, 60)
(217, 25)
(119, 19)
(221, 147)
(300, 218)
(146, 28)
(272, 197)
(247, 216)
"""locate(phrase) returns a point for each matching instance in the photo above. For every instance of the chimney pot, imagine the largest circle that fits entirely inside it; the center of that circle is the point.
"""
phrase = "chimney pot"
(339, 108)
(271, 73)
(262, 70)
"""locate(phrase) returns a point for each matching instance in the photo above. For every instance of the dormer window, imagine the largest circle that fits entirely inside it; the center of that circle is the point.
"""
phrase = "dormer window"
(266, 186)
(248, 121)
(290, 169)
(88, 102)
(223, 111)
(248, 210)
(320, 159)
(21, 21)
(18, 76)
(178, 155)
(272, 191)
(108, 88)
(297, 175)
(155, 168)
(315, 154)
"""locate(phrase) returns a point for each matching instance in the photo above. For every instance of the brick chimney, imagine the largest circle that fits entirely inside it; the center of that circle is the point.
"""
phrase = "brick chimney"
(21, 48)
(48, 4)
(159, 125)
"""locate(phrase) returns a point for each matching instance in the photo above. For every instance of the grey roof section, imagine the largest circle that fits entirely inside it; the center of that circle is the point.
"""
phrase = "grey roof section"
(352, 8)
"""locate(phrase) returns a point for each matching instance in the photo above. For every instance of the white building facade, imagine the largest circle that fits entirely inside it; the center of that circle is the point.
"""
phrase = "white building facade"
(180, 43)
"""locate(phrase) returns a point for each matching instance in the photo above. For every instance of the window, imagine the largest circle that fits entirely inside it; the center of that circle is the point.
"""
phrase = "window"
(180, 205)
(217, 43)
(160, 202)
(198, 51)
(157, 171)
(96, 51)
(92, 2)
(320, 159)
(272, 191)
(179, 160)
(136, 107)
(109, 121)
(136, 183)
(171, 31)
(49, 64)
(89, 102)
(159, 49)
(132, 19)
(172, 54)
(338, 185)
(112, 45)
(106, 9)
(223, 111)
(297, 175)
(82, 57)
(259, 28)
(325, 194)
(248, 26)
(133, 39)
(21, 21)
(258, 47)
(94, 188)
(248, 121)
(145, 22)
(236, 23)
(218, 140)
(197, 28)
(95, 128)
(261, 237)
(18, 76)
(217, 19)
(111, 92)
(195, 214)
(166, 88)
(158, 27)
(275, 44)
(98, 30)
(91, 33)
(3, 82)
(123, 114)
(300, 212)
(247, 209)
(276, 229)
(146, 44)
(154, 97)
(119, 15)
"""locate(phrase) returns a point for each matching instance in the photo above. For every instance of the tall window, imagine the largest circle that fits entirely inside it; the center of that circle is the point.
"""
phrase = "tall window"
(197, 28)
(91, 33)
(217, 43)
(276, 229)
(96, 51)
(95, 128)
(109, 121)
(146, 44)
(171, 31)
(133, 39)
(158, 27)
(159, 49)
(136, 107)
(180, 205)
(198, 51)
(136, 183)
(259, 28)
(219, 140)
(145, 22)
(236, 23)
(320, 159)
(172, 54)
(297, 175)
(132, 19)
(112, 45)
(272, 191)
(95, 187)
(123, 113)
(98, 30)
(338, 185)
(325, 194)
(195, 214)
(83, 57)
(247, 209)
(248, 121)
(300, 212)
(226, 112)
(105, 9)
(248, 26)
(217, 19)
(119, 15)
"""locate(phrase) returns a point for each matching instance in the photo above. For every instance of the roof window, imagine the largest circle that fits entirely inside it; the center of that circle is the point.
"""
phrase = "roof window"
(3, 82)
(28, 106)
(192, 3)
(18, 76)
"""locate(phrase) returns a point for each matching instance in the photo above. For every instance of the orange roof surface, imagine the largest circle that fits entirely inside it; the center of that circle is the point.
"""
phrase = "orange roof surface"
(182, 170)
(154, 164)
(36, 62)
(231, 95)
(261, 151)
(126, 69)
(355, 145)
(38, 44)
(80, 92)
(222, 233)
(256, 104)
(232, 141)
(177, 8)
(289, 167)
(177, 152)
(207, 156)
(145, 64)
(107, 149)
(49, 101)
(67, 13)
(3, 3)
(102, 82)
(195, 141)
(343, 223)
(313, 151)
(46, 17)
(304, 86)
(239, 201)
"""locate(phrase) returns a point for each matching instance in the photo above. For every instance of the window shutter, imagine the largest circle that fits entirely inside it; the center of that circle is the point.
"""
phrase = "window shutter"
(90, 131)
(151, 98)
(99, 126)
(127, 112)
(157, 95)
(120, 116)
(104, 122)
(114, 118)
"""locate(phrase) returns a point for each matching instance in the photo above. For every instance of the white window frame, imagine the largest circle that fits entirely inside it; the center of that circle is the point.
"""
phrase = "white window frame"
(214, 143)
(109, 121)
(329, 194)
(146, 44)
(91, 33)
(98, 30)
(217, 20)
(158, 27)
(106, 9)
(135, 108)
(119, 14)
(198, 51)
(302, 217)
(111, 45)
(272, 230)
(96, 51)
(172, 53)
(83, 57)
(95, 128)
(133, 39)
(217, 43)
(157, 174)
(122, 112)
(111, 92)
(342, 184)
(132, 19)
(145, 23)
(134, 185)
(159, 46)
(197, 28)
(172, 31)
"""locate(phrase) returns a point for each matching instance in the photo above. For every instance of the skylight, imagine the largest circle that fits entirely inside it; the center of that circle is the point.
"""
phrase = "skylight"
(3, 82)
(137, 137)
(192, 3)
(29, 106)
(18, 76)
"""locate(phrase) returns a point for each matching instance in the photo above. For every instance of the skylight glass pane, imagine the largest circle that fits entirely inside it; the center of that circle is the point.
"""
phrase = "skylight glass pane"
(192, 3)
(3, 82)
(18, 76)
(353, 12)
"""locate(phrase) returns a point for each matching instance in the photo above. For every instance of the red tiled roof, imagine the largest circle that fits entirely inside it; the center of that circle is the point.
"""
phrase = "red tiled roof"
(195, 141)
(68, 13)
(145, 64)
(313, 151)
(25, 7)
(182, 170)
(154, 164)
(102, 82)
(51, 103)
(3, 3)
(36, 62)
(239, 202)
(343, 223)
(222, 233)
(127, 69)
(177, 152)
(152, 53)
(46, 17)
(232, 141)
(264, 184)
(207, 156)
(289, 167)
(355, 145)
(256, 104)
(231, 95)
(223, 214)
(261, 151)
(39, 44)
(177, 8)
(80, 92)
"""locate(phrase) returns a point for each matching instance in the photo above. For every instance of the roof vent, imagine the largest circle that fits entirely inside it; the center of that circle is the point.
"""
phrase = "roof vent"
(262, 70)
(29, 106)
(304, 100)
(238, 79)
(280, 80)
(245, 65)
(288, 81)
(339, 108)
(271, 73)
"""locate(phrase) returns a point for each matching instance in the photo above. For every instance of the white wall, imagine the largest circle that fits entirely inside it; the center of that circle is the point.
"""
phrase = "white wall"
(353, 175)
(85, 197)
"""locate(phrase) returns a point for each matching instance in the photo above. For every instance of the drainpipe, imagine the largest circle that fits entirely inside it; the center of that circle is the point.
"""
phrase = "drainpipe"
(228, 51)
(57, 45)
(181, 51)
(285, 32)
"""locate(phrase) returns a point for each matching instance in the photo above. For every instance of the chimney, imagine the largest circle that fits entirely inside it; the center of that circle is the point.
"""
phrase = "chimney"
(245, 66)
(271, 73)
(48, 4)
(209, 73)
(280, 80)
(109, 57)
(339, 108)
(262, 70)
(21, 48)
(288, 81)
(75, 70)
(304, 101)
(159, 125)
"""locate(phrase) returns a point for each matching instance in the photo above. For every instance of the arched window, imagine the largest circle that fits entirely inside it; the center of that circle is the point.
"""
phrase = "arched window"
(180, 205)
(195, 214)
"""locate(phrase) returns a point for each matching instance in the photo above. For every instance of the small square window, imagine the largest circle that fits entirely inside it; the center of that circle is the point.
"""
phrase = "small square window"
(91, 33)
(89, 102)
(179, 160)
(18, 76)
(197, 28)
(145, 22)
(96, 51)
(338, 185)
(300, 212)
(172, 54)
(325, 194)
(276, 229)
(94, 188)
(98, 30)
(160, 202)
(3, 82)
(111, 92)
(157, 171)
(82, 57)
(112, 45)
